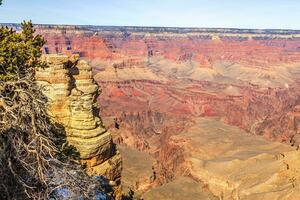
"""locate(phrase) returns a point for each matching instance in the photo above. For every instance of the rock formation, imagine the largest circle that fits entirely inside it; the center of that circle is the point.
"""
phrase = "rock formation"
(71, 90)
(252, 74)
(234, 165)
(157, 82)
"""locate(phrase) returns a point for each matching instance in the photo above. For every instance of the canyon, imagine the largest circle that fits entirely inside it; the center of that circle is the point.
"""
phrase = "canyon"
(196, 113)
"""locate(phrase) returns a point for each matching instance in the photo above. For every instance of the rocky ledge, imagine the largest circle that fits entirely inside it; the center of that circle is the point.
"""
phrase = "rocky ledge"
(71, 91)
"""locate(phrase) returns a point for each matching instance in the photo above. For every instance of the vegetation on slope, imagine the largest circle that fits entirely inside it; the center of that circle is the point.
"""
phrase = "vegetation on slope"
(35, 160)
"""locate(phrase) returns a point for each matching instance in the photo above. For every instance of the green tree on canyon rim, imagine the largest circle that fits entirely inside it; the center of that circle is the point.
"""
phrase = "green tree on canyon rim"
(35, 160)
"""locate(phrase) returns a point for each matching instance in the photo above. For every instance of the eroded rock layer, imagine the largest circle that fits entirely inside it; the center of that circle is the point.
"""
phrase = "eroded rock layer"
(234, 164)
(71, 90)
(251, 77)
(157, 82)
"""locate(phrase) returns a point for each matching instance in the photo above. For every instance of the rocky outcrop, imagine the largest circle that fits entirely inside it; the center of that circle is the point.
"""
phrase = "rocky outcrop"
(71, 90)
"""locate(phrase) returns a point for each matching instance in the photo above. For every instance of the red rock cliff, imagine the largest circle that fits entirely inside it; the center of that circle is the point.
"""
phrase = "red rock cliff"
(247, 77)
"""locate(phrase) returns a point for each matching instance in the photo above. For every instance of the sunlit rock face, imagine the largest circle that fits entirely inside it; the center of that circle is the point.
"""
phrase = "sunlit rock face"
(160, 87)
(71, 90)
(234, 164)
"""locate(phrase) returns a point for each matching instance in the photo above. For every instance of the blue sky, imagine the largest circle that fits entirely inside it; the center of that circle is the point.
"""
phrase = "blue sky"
(282, 14)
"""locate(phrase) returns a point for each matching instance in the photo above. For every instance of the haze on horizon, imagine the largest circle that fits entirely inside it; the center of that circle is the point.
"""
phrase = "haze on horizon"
(268, 14)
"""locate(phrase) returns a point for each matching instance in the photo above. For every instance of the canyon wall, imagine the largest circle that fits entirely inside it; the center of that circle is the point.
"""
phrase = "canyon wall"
(157, 82)
(249, 77)
(71, 91)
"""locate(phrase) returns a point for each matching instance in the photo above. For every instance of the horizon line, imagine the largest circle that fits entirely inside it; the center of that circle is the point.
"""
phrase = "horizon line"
(167, 28)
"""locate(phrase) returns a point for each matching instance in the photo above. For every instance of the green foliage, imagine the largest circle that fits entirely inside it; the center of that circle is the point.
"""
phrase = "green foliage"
(19, 52)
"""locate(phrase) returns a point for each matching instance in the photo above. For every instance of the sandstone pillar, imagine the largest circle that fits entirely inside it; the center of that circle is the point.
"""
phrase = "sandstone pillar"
(71, 91)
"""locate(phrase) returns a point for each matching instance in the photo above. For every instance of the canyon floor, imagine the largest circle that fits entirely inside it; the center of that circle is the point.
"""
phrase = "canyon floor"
(196, 113)
(223, 158)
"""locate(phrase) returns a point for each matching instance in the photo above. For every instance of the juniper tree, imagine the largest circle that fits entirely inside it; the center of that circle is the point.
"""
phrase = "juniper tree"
(19, 52)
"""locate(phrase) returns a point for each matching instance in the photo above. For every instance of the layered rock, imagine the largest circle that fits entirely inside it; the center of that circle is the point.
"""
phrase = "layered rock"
(233, 164)
(252, 74)
(71, 90)
(156, 81)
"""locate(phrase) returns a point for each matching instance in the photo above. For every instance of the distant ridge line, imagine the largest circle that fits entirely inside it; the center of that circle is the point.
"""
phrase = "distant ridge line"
(153, 29)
